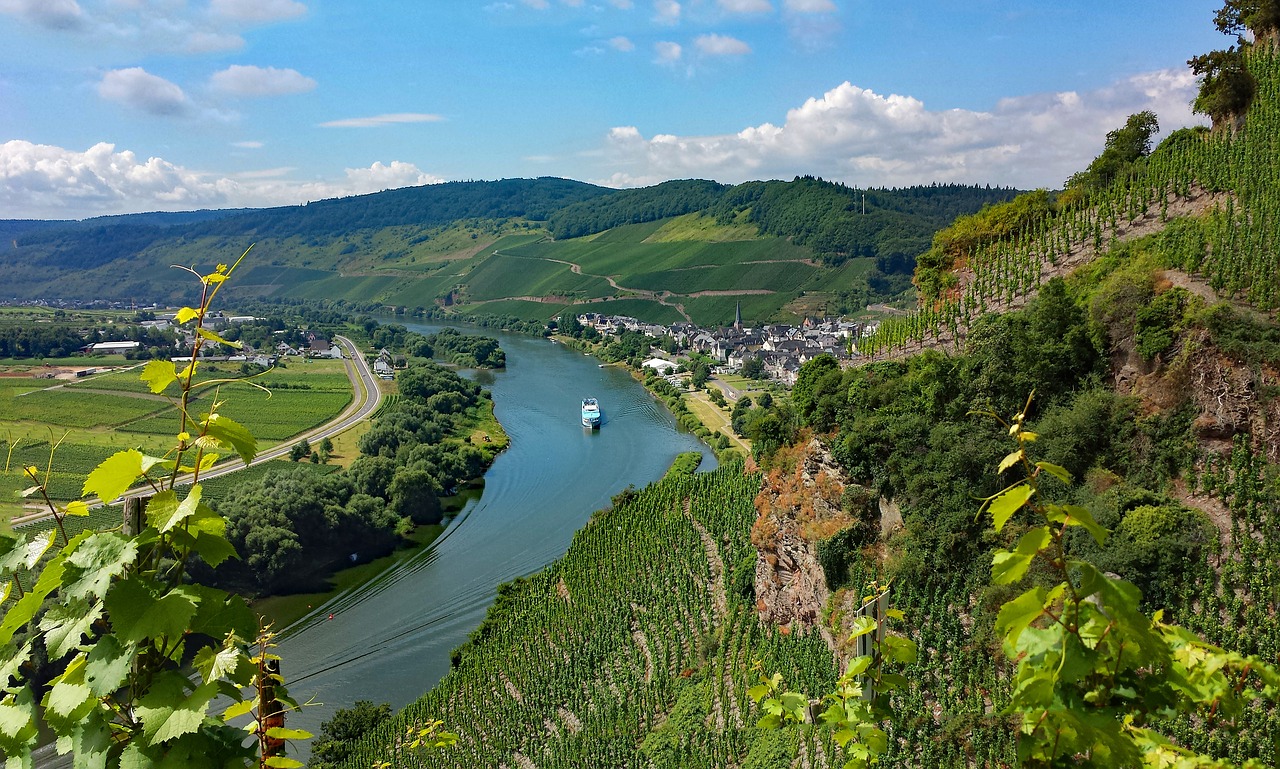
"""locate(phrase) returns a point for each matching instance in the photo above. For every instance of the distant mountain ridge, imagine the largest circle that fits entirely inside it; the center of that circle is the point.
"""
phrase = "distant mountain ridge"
(452, 244)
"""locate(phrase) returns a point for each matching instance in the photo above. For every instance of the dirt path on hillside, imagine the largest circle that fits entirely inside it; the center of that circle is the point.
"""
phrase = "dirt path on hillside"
(1079, 253)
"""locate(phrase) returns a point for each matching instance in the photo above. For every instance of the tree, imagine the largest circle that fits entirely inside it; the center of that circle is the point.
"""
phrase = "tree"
(753, 367)
(326, 445)
(570, 325)
(1261, 17)
(1125, 146)
(1226, 87)
(297, 452)
(339, 734)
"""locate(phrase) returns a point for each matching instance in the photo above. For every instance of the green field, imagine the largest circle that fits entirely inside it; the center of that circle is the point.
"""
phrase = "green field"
(520, 308)
(500, 277)
(93, 425)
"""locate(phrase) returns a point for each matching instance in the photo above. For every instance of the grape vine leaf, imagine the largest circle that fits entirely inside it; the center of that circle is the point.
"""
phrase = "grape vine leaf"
(114, 476)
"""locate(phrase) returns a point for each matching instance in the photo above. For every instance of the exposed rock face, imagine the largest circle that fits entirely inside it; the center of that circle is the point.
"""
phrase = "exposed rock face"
(798, 507)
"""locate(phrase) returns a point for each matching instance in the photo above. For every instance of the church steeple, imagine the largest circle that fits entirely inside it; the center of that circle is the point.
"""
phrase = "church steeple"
(737, 317)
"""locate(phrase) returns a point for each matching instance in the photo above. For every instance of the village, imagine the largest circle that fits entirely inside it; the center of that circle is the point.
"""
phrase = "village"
(781, 349)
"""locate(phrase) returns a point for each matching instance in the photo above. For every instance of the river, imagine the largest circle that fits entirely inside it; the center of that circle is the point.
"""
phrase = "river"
(389, 640)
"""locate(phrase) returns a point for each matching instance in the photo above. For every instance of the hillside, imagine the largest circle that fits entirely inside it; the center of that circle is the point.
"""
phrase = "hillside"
(682, 250)
(1139, 309)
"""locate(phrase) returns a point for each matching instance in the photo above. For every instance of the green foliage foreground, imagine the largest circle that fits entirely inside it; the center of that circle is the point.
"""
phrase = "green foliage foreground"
(140, 651)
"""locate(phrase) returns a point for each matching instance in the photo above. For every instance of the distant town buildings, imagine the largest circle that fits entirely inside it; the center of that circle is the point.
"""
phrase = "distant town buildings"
(783, 349)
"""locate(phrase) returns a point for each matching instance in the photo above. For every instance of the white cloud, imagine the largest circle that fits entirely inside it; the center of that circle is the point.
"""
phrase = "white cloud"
(48, 182)
(745, 6)
(240, 80)
(249, 145)
(721, 45)
(257, 11)
(854, 135)
(624, 5)
(667, 52)
(621, 44)
(383, 177)
(809, 6)
(666, 12)
(137, 88)
(376, 121)
(53, 14)
(172, 26)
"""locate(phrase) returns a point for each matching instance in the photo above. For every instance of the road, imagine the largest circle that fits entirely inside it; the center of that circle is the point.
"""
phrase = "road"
(366, 397)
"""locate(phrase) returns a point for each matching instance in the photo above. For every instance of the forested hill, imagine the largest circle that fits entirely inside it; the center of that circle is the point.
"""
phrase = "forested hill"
(689, 250)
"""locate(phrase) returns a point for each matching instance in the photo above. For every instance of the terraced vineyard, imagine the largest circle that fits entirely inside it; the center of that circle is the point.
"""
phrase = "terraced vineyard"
(634, 650)
(1226, 186)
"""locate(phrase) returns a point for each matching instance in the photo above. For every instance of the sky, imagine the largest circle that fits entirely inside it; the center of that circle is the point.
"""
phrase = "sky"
(121, 106)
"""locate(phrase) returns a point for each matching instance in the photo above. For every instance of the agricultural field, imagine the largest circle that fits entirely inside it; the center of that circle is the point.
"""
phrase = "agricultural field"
(520, 308)
(97, 417)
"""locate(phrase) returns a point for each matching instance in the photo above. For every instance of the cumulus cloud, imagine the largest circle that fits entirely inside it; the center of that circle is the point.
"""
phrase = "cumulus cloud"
(53, 14)
(249, 145)
(809, 6)
(48, 182)
(667, 52)
(377, 121)
(622, 44)
(857, 136)
(720, 45)
(666, 12)
(135, 87)
(257, 11)
(240, 80)
(745, 6)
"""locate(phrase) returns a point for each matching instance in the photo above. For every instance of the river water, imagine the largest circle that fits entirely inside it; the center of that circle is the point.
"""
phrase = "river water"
(389, 640)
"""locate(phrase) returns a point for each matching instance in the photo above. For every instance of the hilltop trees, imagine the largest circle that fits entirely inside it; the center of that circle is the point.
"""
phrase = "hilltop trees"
(1125, 147)
(1226, 87)
(1261, 17)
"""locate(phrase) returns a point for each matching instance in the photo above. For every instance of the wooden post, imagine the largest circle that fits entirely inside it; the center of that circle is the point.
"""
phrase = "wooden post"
(271, 709)
(133, 515)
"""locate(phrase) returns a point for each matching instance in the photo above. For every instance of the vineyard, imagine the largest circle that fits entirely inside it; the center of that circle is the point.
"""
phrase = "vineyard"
(635, 649)
(1233, 178)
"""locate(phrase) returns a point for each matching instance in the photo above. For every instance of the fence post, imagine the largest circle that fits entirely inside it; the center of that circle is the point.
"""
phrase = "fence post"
(133, 515)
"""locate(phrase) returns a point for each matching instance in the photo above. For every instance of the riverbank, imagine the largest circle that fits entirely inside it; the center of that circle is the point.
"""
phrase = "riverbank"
(694, 409)
(482, 430)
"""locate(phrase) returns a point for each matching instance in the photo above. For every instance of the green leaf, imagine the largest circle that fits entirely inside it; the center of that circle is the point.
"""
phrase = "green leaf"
(281, 762)
(77, 508)
(858, 666)
(65, 625)
(12, 658)
(108, 665)
(1016, 615)
(232, 435)
(1057, 472)
(184, 315)
(220, 614)
(1010, 461)
(1009, 567)
(18, 730)
(138, 613)
(899, 649)
(91, 742)
(758, 692)
(67, 703)
(114, 476)
(1080, 516)
(215, 664)
(96, 561)
(1008, 502)
(37, 547)
(238, 709)
(164, 511)
(281, 733)
(159, 374)
(167, 712)
(861, 626)
(213, 337)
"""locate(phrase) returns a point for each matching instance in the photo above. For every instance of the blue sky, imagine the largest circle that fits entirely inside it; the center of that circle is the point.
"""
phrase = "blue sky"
(112, 106)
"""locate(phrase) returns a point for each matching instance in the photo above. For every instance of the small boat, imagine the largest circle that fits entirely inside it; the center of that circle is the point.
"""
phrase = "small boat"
(590, 413)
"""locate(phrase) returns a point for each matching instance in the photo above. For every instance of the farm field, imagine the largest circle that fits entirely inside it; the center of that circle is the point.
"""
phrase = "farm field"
(99, 416)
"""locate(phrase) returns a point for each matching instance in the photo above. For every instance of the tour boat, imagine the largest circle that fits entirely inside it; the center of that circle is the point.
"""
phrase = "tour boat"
(590, 413)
